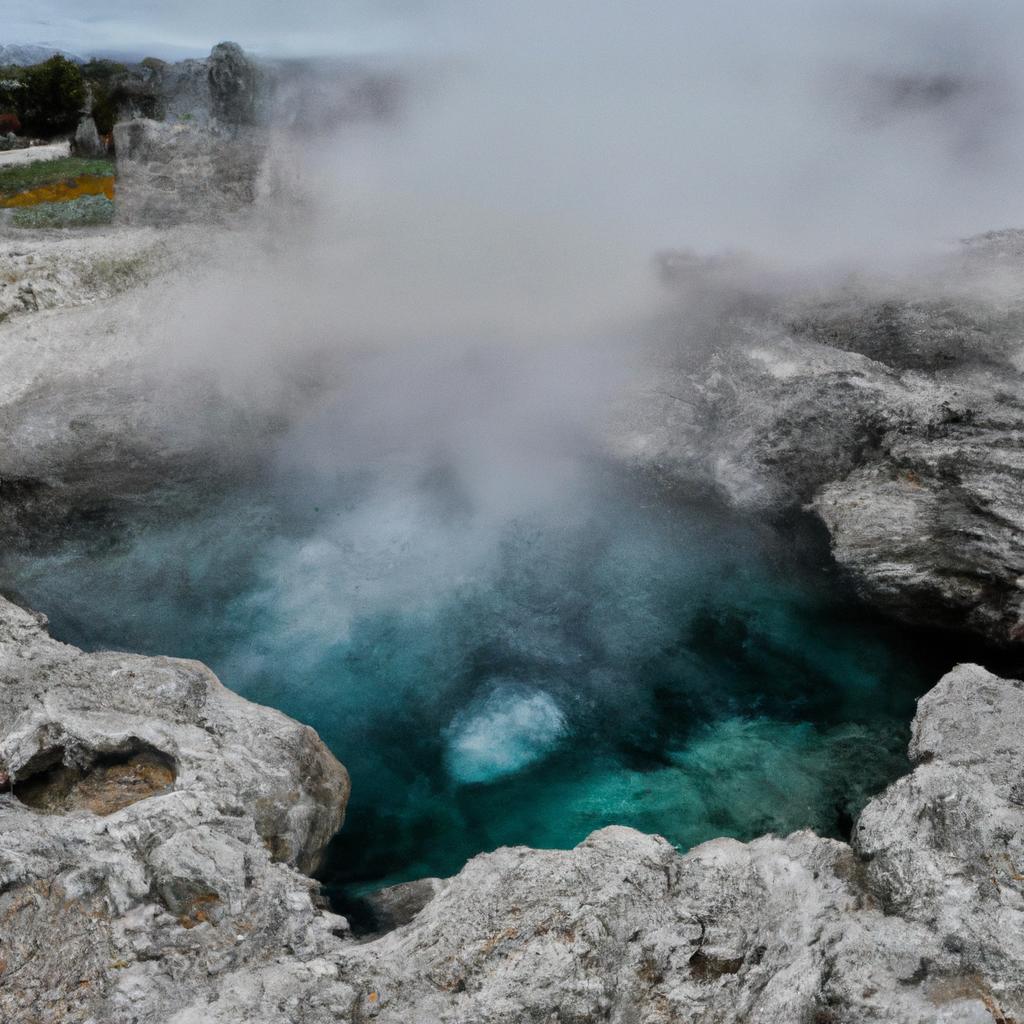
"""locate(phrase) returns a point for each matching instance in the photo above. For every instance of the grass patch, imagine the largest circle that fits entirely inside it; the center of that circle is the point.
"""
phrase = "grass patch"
(47, 172)
(88, 211)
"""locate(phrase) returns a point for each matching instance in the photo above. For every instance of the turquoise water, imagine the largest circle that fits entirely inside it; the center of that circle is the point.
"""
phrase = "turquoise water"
(605, 653)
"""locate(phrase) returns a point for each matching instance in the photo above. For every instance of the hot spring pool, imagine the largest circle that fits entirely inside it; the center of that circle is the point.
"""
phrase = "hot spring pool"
(607, 655)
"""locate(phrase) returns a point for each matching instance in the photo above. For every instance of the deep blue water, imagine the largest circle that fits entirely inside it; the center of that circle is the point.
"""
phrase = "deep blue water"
(607, 654)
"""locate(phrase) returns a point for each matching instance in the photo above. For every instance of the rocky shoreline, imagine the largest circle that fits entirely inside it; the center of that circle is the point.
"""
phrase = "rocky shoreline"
(128, 895)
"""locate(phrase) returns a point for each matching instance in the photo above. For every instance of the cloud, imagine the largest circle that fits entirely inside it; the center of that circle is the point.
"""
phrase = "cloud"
(191, 26)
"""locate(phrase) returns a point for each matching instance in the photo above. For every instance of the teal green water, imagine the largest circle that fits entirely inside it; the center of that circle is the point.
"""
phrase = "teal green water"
(606, 655)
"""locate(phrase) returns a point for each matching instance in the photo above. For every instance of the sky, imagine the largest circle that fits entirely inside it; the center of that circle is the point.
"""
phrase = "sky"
(345, 26)
(189, 27)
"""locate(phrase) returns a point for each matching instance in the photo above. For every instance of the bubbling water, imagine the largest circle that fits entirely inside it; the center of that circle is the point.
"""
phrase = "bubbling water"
(502, 734)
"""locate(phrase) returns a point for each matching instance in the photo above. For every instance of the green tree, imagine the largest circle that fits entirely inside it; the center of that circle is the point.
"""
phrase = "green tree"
(11, 87)
(53, 96)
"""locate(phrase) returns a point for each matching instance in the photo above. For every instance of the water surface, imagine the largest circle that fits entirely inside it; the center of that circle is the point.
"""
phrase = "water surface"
(609, 654)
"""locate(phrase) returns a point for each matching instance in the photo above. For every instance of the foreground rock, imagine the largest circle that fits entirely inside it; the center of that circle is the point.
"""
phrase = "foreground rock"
(152, 831)
(185, 173)
(920, 921)
(150, 839)
(893, 408)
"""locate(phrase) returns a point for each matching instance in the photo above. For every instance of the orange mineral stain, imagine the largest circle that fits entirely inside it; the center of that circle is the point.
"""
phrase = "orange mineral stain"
(63, 191)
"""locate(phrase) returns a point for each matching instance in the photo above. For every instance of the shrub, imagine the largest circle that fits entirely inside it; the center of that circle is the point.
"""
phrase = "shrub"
(104, 111)
(103, 71)
(11, 86)
(10, 122)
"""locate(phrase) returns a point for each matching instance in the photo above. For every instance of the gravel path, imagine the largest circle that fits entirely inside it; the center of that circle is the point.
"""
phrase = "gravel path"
(53, 151)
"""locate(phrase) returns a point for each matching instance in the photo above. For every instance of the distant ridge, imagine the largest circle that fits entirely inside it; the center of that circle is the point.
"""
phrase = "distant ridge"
(23, 55)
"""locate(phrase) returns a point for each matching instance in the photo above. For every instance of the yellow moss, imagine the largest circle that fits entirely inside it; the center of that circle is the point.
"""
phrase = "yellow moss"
(64, 191)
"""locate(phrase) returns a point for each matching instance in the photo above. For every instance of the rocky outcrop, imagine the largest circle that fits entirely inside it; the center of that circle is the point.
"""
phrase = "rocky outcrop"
(933, 531)
(153, 830)
(196, 139)
(920, 921)
(190, 148)
(893, 409)
(234, 82)
(184, 173)
(228, 89)
(161, 884)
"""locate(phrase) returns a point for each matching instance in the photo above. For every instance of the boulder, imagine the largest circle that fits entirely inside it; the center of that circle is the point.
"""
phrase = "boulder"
(233, 82)
(152, 823)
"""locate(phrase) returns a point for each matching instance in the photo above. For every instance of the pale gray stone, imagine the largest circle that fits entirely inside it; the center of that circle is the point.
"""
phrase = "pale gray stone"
(893, 408)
